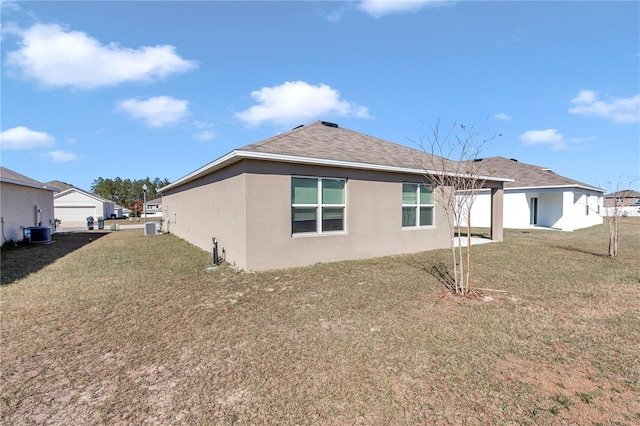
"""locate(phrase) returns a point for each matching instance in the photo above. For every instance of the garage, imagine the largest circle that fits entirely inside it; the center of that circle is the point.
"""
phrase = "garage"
(69, 214)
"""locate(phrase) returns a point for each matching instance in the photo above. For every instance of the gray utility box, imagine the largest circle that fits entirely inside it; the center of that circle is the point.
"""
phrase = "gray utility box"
(150, 228)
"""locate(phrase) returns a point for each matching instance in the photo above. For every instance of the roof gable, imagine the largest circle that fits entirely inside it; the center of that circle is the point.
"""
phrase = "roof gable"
(526, 175)
(80, 191)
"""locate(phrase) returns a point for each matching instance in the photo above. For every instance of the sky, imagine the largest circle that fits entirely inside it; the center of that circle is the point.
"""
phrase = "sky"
(137, 89)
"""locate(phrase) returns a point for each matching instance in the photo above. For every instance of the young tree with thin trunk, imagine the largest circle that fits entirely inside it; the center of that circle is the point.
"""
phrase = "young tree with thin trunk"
(614, 213)
(451, 174)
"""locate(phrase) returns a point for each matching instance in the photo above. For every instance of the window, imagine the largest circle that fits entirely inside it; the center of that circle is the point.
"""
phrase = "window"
(417, 205)
(587, 206)
(317, 205)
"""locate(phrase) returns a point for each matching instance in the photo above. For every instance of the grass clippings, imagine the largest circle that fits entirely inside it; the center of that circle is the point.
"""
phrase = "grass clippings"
(130, 329)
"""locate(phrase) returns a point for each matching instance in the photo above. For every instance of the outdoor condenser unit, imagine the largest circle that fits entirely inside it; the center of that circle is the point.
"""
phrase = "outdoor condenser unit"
(150, 228)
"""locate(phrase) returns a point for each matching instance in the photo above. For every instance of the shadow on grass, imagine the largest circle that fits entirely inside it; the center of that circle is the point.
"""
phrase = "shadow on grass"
(583, 251)
(20, 259)
(440, 272)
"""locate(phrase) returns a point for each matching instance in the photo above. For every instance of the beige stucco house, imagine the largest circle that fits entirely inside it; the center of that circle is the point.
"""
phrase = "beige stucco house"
(538, 197)
(24, 203)
(318, 193)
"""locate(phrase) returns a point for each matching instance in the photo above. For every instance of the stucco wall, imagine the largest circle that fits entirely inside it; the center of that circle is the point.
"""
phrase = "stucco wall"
(248, 209)
(373, 219)
(18, 211)
(213, 206)
(557, 208)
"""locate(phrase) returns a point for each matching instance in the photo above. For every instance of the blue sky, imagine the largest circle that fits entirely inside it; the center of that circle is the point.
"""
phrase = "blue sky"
(158, 89)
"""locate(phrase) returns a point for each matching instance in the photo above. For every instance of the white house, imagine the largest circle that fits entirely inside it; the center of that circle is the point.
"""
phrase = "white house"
(24, 203)
(74, 205)
(537, 197)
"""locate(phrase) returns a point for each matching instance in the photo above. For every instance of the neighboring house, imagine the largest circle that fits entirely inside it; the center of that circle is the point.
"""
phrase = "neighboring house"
(24, 202)
(622, 203)
(624, 198)
(73, 205)
(154, 207)
(318, 193)
(538, 197)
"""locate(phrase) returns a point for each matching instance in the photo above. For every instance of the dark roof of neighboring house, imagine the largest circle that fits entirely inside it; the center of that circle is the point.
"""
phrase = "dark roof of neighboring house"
(627, 193)
(526, 175)
(10, 176)
(155, 201)
(327, 144)
(59, 185)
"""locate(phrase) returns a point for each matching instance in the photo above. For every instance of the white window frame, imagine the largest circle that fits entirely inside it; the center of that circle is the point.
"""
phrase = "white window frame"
(417, 206)
(587, 204)
(319, 205)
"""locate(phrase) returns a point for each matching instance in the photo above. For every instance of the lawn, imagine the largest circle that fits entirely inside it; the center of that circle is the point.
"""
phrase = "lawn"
(119, 328)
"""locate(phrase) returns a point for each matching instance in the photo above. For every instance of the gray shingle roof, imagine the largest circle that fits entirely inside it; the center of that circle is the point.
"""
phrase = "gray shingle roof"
(327, 144)
(628, 193)
(59, 185)
(324, 141)
(11, 176)
(525, 175)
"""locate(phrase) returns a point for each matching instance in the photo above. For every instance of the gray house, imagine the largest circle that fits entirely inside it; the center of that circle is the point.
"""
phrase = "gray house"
(318, 193)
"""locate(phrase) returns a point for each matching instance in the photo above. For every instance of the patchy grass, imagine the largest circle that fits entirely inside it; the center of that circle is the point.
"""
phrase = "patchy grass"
(131, 329)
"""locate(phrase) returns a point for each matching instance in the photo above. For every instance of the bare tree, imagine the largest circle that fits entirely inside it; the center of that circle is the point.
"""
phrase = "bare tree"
(451, 174)
(615, 212)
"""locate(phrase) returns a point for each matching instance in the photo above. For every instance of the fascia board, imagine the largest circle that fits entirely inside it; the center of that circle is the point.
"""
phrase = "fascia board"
(27, 184)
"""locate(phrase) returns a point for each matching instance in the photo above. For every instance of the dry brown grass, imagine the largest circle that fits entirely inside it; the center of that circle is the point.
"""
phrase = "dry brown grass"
(132, 329)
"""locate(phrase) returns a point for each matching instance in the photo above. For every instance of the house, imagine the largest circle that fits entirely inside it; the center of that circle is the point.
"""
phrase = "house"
(538, 197)
(154, 207)
(622, 203)
(624, 198)
(318, 193)
(73, 205)
(24, 203)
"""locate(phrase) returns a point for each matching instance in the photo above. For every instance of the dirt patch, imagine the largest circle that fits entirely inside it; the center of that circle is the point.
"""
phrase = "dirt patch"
(575, 394)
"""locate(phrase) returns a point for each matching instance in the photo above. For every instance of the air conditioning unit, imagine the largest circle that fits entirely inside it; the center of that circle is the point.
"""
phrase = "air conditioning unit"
(150, 228)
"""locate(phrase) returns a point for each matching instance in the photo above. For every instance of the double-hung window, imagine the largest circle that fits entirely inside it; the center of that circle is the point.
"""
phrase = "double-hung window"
(417, 205)
(317, 205)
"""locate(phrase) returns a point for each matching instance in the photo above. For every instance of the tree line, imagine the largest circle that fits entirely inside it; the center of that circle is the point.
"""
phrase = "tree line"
(126, 192)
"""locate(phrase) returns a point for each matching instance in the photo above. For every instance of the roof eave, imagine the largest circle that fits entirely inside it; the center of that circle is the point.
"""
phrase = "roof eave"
(238, 155)
(27, 184)
(521, 188)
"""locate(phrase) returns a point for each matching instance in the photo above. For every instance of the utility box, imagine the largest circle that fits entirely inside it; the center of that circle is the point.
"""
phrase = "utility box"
(150, 228)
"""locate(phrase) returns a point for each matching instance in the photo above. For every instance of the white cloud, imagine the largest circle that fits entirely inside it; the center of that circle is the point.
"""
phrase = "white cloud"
(62, 156)
(548, 137)
(57, 57)
(502, 116)
(618, 110)
(23, 138)
(205, 135)
(379, 8)
(297, 101)
(158, 111)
